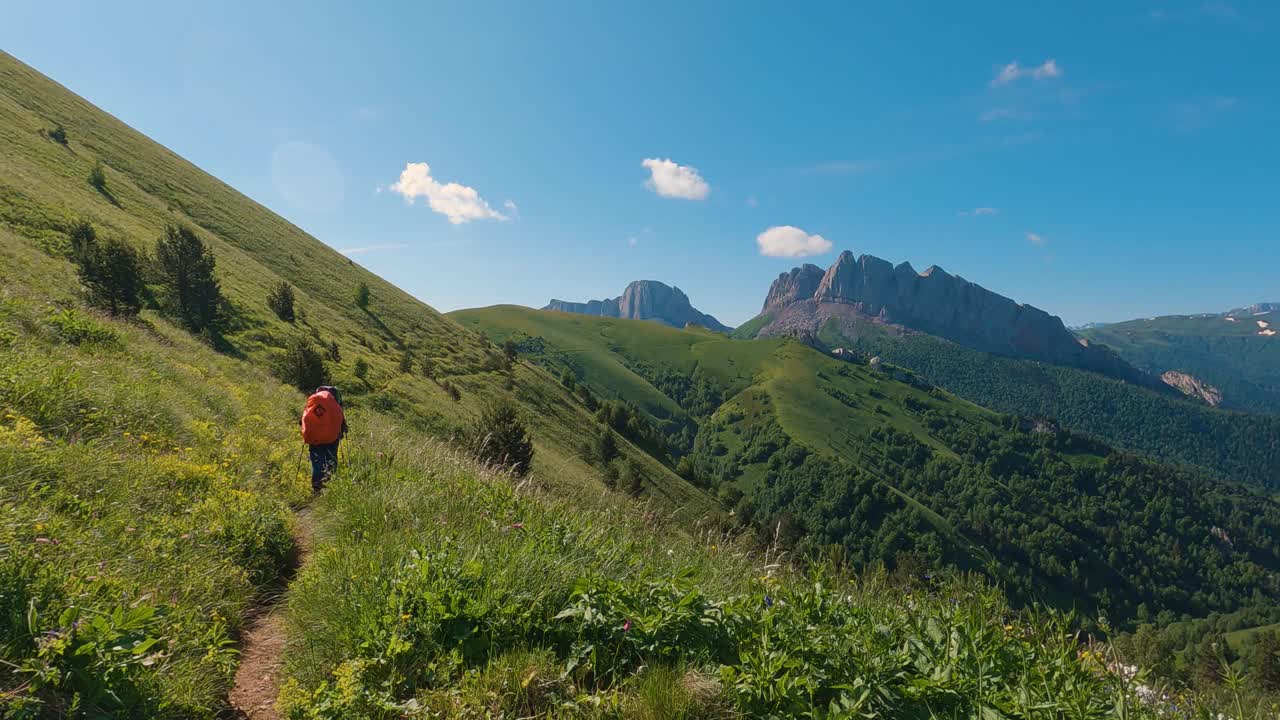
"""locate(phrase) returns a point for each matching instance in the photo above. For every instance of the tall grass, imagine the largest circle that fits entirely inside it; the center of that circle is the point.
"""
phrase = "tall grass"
(143, 505)
(441, 588)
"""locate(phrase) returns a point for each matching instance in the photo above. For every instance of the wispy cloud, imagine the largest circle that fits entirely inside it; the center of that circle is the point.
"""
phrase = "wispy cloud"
(370, 248)
(1223, 13)
(633, 241)
(979, 212)
(841, 167)
(1014, 72)
(752, 201)
(790, 241)
(670, 179)
(1037, 239)
(459, 203)
(1196, 113)
(999, 113)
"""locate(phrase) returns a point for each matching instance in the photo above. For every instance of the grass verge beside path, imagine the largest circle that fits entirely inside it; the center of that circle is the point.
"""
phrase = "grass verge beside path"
(442, 589)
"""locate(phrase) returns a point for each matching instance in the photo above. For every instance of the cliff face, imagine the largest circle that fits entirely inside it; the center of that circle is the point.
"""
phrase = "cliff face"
(799, 284)
(645, 300)
(933, 302)
(603, 308)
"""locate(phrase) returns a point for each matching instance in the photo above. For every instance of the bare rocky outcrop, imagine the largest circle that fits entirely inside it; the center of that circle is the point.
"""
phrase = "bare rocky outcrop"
(799, 284)
(645, 300)
(1191, 386)
(858, 290)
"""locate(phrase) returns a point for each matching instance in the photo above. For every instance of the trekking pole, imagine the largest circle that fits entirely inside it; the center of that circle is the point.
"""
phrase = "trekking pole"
(297, 470)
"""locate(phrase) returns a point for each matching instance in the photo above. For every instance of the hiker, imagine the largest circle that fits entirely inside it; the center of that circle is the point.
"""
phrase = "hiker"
(323, 426)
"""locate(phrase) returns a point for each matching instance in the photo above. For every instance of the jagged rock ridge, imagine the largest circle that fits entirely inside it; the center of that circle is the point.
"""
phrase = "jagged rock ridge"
(934, 301)
(645, 300)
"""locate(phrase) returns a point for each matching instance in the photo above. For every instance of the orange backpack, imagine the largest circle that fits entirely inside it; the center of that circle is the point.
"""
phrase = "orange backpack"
(322, 419)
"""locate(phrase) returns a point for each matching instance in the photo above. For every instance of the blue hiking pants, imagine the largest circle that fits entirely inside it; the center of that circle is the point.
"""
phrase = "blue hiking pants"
(324, 460)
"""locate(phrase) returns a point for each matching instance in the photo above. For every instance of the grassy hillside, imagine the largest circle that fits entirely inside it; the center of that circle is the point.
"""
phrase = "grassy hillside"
(149, 478)
(1229, 353)
(642, 362)
(44, 191)
(877, 466)
(1179, 431)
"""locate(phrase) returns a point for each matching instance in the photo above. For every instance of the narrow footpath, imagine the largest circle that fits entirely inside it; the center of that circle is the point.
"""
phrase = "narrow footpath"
(257, 683)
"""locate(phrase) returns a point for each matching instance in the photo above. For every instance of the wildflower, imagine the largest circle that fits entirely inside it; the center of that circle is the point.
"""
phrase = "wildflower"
(517, 526)
(626, 626)
(404, 616)
(768, 601)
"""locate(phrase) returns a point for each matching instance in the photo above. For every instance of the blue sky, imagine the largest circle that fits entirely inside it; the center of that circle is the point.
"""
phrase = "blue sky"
(1099, 160)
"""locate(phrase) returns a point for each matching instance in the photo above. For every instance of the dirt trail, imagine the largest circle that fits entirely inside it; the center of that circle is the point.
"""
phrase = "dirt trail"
(257, 684)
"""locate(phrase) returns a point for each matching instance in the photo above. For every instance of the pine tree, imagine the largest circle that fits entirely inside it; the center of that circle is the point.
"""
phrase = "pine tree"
(500, 438)
(635, 478)
(111, 272)
(186, 268)
(606, 446)
(280, 300)
(301, 365)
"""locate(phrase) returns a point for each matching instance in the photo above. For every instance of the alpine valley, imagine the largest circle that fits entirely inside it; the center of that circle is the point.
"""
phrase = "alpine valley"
(890, 494)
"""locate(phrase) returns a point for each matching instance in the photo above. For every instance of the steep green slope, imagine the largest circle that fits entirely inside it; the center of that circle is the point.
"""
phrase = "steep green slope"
(1228, 352)
(44, 191)
(877, 466)
(1180, 431)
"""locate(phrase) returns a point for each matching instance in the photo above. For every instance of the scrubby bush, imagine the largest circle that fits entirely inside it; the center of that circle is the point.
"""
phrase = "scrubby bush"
(59, 135)
(406, 362)
(98, 177)
(301, 365)
(361, 370)
(500, 438)
(77, 328)
(362, 296)
(335, 355)
(185, 266)
(280, 300)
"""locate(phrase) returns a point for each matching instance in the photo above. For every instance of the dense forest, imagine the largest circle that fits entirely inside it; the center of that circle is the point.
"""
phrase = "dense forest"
(1233, 445)
(1052, 515)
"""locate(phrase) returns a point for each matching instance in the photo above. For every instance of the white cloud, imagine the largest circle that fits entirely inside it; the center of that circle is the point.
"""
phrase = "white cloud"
(790, 241)
(1037, 239)
(459, 203)
(978, 211)
(512, 209)
(1013, 71)
(669, 179)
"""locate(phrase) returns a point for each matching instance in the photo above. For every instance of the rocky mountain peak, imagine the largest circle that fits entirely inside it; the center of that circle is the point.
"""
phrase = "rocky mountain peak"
(645, 300)
(799, 284)
(935, 302)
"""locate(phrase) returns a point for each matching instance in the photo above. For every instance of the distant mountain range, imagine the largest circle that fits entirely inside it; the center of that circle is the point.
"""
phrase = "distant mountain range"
(645, 300)
(1235, 354)
(855, 291)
